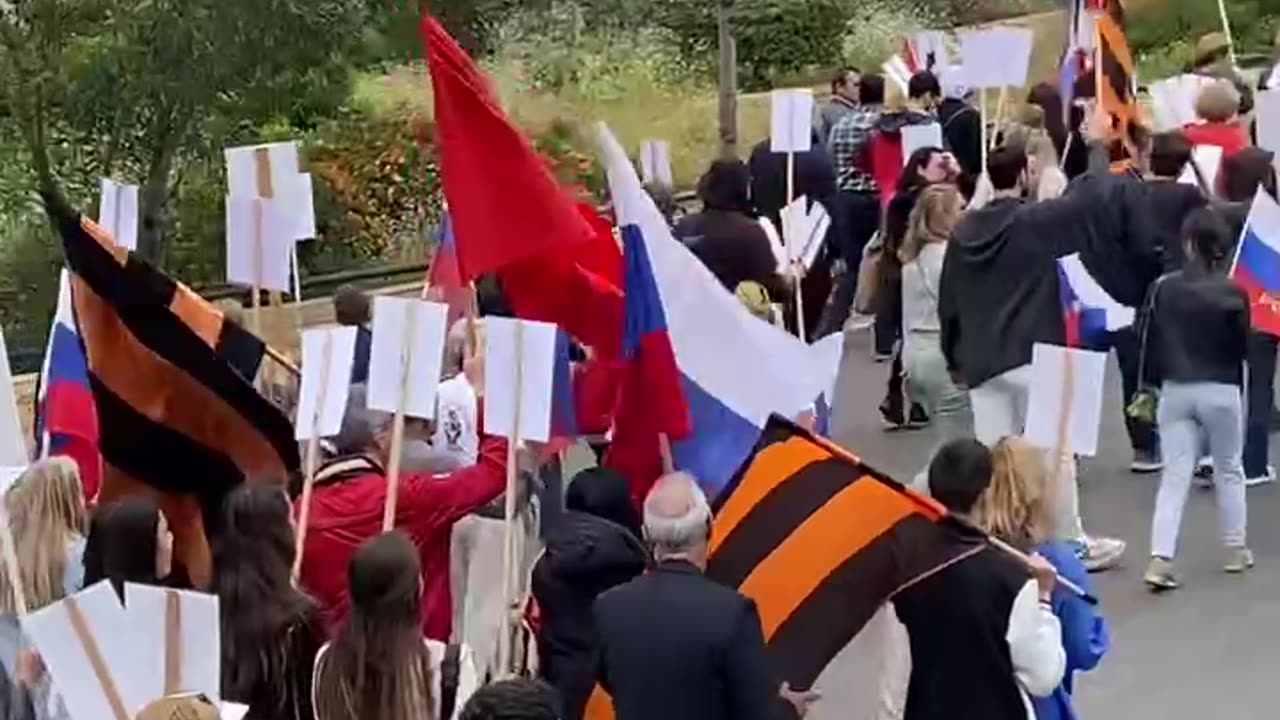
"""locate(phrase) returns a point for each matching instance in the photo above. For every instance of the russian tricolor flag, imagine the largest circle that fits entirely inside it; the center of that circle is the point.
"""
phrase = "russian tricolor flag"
(1257, 264)
(702, 369)
(66, 415)
(1089, 313)
(444, 274)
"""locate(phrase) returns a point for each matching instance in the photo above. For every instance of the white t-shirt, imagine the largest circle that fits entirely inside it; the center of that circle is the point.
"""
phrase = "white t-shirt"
(467, 679)
(456, 430)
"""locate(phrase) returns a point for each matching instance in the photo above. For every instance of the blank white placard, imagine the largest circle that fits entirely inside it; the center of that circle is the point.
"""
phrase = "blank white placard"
(995, 57)
(805, 227)
(791, 120)
(13, 446)
(198, 630)
(932, 43)
(1044, 402)
(390, 350)
(655, 162)
(295, 201)
(1267, 107)
(256, 227)
(341, 345)
(242, 167)
(118, 212)
(1209, 159)
(537, 360)
(915, 137)
(63, 653)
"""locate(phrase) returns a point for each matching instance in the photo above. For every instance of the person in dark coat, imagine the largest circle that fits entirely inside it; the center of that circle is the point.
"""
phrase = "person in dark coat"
(676, 645)
(352, 308)
(595, 546)
(962, 131)
(815, 178)
(726, 236)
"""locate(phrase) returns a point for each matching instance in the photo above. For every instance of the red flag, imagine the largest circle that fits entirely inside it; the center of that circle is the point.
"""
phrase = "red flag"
(505, 203)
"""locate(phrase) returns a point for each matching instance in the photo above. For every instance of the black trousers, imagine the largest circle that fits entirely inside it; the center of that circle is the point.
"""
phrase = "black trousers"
(1143, 436)
(857, 216)
(1260, 401)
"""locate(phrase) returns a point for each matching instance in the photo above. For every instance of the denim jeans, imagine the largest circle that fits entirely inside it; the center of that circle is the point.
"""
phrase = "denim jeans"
(1186, 410)
(859, 215)
(1260, 404)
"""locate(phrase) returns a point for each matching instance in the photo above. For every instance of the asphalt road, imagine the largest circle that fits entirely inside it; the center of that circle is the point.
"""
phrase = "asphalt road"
(1208, 650)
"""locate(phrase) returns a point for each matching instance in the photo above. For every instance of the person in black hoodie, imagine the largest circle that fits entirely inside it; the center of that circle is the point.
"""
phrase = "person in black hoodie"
(595, 547)
(1197, 334)
(1243, 174)
(999, 296)
(726, 236)
(1166, 204)
(962, 131)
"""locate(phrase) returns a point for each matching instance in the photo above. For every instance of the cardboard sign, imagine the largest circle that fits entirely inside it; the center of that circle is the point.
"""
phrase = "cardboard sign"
(805, 228)
(655, 162)
(118, 212)
(915, 137)
(327, 356)
(533, 346)
(13, 446)
(791, 120)
(271, 171)
(1082, 412)
(996, 57)
(150, 612)
(406, 334)
(258, 246)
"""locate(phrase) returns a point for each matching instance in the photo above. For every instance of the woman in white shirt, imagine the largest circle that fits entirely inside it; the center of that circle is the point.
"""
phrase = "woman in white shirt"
(379, 665)
(924, 245)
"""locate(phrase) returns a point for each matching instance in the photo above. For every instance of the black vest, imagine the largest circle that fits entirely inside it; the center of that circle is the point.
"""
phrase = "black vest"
(958, 620)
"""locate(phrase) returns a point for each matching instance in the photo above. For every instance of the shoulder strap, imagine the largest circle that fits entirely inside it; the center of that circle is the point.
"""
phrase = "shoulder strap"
(1145, 319)
(450, 670)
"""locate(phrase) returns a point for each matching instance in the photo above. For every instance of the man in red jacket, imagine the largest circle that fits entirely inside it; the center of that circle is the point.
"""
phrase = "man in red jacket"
(347, 504)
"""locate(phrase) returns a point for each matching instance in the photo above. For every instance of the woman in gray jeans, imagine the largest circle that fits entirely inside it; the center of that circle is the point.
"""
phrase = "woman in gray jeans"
(1196, 341)
(924, 244)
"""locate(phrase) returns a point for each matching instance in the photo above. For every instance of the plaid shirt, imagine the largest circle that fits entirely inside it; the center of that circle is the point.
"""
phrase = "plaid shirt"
(847, 143)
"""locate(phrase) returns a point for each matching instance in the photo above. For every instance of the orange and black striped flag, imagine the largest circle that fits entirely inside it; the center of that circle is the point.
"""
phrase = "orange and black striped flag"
(1115, 79)
(171, 378)
(820, 541)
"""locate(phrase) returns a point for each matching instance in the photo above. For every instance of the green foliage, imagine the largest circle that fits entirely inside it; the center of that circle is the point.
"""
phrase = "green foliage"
(30, 258)
(1152, 26)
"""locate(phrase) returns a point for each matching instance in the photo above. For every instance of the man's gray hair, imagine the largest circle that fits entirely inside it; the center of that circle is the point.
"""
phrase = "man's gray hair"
(360, 425)
(676, 515)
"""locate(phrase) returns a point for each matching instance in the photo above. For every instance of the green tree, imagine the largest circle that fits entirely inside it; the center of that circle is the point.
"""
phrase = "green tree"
(142, 88)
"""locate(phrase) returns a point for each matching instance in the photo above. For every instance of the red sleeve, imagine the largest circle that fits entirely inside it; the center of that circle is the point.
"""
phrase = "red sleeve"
(430, 501)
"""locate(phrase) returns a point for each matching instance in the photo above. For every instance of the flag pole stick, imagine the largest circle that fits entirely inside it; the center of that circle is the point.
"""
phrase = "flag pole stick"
(796, 272)
(982, 125)
(1226, 30)
(282, 360)
(1003, 546)
(1001, 100)
(397, 425)
(506, 640)
(312, 459)
(664, 448)
(256, 317)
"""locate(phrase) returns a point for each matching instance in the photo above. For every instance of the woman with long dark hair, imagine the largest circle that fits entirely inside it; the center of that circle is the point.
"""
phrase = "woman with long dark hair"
(379, 665)
(270, 631)
(129, 541)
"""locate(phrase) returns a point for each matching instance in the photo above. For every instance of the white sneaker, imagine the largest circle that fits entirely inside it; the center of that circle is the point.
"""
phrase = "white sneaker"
(1265, 479)
(1100, 553)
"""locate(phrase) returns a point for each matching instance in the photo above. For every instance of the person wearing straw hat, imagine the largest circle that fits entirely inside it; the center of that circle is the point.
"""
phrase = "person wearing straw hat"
(1212, 58)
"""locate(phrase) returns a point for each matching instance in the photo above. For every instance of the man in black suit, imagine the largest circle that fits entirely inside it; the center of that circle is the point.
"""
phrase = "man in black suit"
(676, 645)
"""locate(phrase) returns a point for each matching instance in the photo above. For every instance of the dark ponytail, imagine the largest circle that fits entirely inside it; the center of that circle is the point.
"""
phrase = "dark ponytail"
(1209, 238)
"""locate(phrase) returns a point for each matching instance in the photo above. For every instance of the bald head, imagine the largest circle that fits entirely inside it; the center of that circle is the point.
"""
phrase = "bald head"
(677, 519)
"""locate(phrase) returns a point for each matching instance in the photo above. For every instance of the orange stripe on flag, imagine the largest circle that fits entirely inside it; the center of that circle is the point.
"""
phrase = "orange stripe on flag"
(199, 314)
(848, 522)
(100, 234)
(1114, 42)
(771, 467)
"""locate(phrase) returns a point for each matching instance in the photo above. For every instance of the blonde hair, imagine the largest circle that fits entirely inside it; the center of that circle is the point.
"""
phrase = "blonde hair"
(46, 509)
(1218, 101)
(931, 220)
(1015, 506)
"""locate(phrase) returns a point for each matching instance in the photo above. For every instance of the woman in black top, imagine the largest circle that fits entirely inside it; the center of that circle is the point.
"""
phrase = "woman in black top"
(270, 630)
(1197, 335)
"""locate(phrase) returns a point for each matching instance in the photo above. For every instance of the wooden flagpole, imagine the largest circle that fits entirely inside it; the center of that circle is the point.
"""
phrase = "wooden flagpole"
(172, 643)
(506, 641)
(397, 425)
(982, 125)
(797, 274)
(1226, 30)
(313, 456)
(1001, 101)
(256, 317)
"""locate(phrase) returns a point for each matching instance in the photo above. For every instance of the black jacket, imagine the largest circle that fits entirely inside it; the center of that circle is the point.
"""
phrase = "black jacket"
(1167, 204)
(999, 292)
(734, 248)
(1199, 328)
(585, 555)
(675, 645)
(962, 131)
(815, 177)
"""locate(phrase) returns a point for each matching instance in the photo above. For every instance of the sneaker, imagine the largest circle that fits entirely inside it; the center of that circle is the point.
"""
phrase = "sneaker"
(892, 418)
(1204, 467)
(919, 418)
(1238, 560)
(1100, 553)
(1145, 462)
(1265, 479)
(881, 358)
(857, 322)
(1160, 575)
